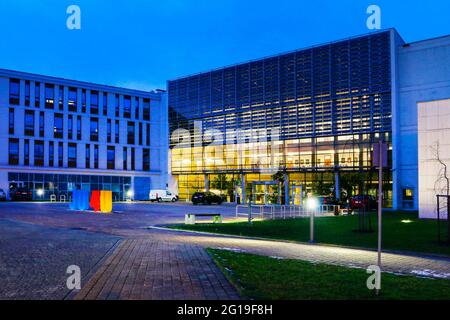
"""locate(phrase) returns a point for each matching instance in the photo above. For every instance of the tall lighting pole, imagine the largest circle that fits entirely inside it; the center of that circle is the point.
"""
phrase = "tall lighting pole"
(380, 160)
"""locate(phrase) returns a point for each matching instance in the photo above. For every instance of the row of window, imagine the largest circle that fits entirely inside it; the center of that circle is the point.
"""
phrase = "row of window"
(14, 149)
(44, 185)
(58, 128)
(53, 97)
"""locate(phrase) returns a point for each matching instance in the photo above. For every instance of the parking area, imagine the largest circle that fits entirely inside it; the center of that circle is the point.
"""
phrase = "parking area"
(127, 219)
(38, 241)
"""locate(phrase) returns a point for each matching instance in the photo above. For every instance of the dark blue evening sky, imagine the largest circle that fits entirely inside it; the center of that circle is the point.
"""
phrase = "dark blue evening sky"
(141, 44)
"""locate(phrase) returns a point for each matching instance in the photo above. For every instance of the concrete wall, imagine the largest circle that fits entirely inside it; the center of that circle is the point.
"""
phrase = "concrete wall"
(434, 144)
(424, 75)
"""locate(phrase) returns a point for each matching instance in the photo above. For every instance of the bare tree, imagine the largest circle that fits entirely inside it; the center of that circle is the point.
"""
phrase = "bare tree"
(443, 172)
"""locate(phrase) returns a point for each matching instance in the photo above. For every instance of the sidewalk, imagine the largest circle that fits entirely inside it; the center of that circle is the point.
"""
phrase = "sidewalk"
(142, 269)
(438, 267)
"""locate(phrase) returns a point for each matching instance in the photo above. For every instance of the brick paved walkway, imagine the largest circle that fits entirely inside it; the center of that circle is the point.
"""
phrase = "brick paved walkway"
(396, 263)
(148, 269)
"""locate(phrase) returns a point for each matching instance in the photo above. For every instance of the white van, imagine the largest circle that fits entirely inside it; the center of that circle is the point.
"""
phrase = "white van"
(162, 195)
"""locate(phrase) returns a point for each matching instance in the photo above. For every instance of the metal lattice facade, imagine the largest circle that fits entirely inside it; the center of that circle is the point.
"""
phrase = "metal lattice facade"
(335, 89)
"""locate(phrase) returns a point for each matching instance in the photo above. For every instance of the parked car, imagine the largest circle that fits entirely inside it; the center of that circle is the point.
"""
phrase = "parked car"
(21, 194)
(207, 198)
(162, 195)
(362, 200)
(2, 195)
(326, 200)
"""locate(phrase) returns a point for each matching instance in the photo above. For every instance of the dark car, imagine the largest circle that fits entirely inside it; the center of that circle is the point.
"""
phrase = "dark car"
(361, 201)
(206, 198)
(21, 194)
(326, 200)
(2, 195)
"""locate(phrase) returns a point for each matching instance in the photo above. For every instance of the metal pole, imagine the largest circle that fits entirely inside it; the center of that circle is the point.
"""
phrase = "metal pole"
(448, 220)
(311, 226)
(250, 209)
(380, 199)
(438, 220)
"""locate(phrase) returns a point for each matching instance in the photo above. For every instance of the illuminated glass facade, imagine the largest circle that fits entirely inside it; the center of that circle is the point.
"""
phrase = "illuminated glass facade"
(312, 115)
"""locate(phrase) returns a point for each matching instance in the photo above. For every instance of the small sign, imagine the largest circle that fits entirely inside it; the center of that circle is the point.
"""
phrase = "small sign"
(376, 155)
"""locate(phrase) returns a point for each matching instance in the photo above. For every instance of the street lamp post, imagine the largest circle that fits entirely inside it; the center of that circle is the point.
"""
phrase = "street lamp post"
(312, 204)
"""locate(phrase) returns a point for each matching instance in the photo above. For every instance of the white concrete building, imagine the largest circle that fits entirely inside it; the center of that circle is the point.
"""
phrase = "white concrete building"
(421, 121)
(58, 135)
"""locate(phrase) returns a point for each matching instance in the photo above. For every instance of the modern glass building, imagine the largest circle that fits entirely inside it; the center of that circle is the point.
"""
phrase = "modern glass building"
(60, 135)
(306, 119)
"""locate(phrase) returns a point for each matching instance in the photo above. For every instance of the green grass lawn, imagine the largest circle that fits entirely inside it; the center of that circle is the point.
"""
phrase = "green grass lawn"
(417, 236)
(259, 277)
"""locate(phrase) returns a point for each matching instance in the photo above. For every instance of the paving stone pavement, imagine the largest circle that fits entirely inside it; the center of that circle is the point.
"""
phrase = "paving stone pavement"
(428, 266)
(38, 241)
(143, 269)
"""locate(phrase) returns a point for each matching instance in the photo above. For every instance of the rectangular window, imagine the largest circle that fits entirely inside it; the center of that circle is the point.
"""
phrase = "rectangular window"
(94, 129)
(88, 156)
(111, 157)
(146, 109)
(60, 154)
(117, 105)
(96, 156)
(133, 156)
(94, 102)
(14, 91)
(72, 155)
(108, 130)
(105, 103)
(147, 135)
(41, 124)
(136, 108)
(49, 96)
(61, 97)
(72, 100)
(11, 121)
(125, 158)
(58, 126)
(140, 133)
(146, 159)
(51, 154)
(13, 152)
(70, 126)
(127, 107)
(26, 152)
(37, 94)
(29, 123)
(130, 132)
(27, 93)
(83, 100)
(39, 153)
(78, 127)
(116, 131)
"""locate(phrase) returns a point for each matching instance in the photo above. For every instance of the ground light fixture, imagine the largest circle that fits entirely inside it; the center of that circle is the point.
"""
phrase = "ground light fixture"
(407, 221)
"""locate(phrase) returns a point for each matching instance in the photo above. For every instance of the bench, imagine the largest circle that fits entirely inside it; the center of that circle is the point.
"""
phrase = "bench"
(190, 218)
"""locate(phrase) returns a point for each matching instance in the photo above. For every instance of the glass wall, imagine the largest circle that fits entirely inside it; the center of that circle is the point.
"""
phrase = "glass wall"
(312, 112)
(64, 184)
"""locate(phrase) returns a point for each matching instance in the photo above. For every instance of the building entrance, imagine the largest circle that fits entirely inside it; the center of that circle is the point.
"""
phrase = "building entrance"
(297, 194)
(266, 192)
